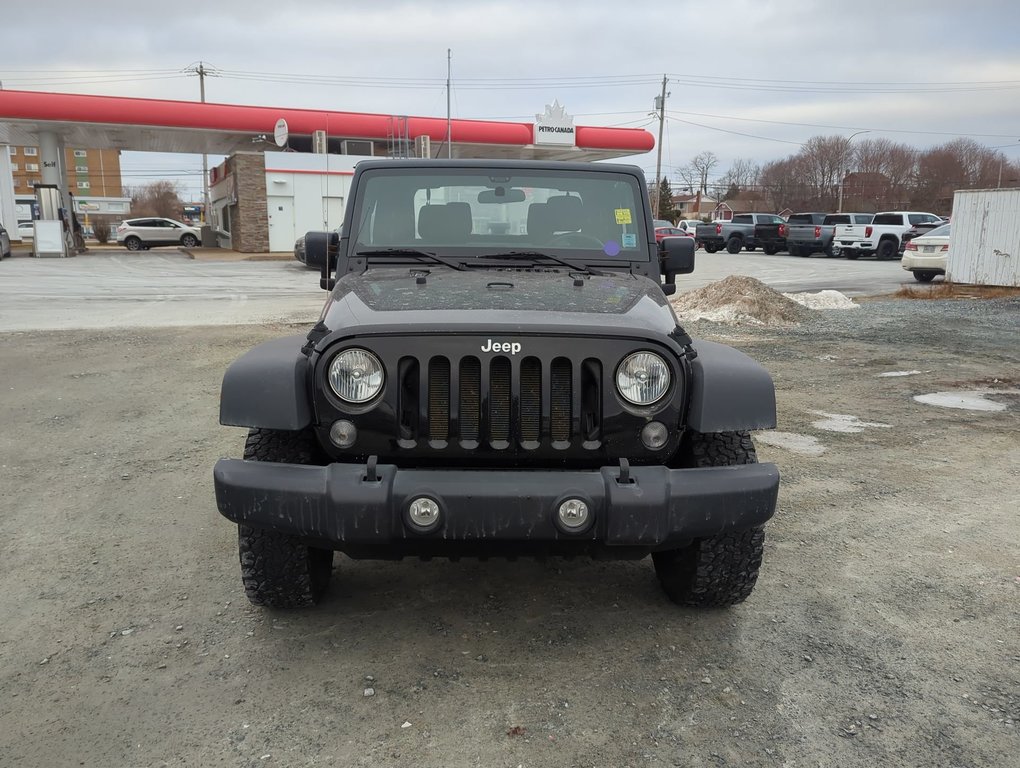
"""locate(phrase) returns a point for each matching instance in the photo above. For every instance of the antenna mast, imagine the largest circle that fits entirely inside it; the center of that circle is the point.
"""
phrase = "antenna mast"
(449, 149)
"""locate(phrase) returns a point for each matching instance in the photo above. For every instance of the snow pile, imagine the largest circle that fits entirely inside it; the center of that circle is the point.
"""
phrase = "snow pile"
(739, 299)
(823, 300)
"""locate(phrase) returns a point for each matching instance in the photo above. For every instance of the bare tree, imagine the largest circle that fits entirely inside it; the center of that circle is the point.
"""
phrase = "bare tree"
(742, 174)
(689, 179)
(780, 180)
(160, 198)
(701, 165)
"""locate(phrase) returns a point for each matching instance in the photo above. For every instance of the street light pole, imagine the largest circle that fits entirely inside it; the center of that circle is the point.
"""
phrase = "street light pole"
(842, 168)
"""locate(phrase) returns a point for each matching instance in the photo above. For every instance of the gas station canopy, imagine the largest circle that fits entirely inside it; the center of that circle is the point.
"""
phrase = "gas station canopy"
(111, 122)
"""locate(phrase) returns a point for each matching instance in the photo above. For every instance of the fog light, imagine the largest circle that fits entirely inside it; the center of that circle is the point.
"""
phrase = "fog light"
(654, 435)
(343, 433)
(574, 514)
(423, 513)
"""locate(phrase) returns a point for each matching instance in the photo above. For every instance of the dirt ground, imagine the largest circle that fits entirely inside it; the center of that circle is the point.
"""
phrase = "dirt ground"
(884, 630)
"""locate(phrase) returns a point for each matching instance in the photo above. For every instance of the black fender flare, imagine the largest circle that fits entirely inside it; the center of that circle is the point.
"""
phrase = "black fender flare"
(729, 391)
(267, 387)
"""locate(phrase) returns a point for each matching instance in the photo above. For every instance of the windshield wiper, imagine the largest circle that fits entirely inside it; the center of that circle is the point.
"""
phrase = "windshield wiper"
(458, 265)
(515, 255)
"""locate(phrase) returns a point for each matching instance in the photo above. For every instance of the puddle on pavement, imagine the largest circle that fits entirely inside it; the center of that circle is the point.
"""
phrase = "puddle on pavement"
(842, 422)
(889, 374)
(805, 445)
(974, 400)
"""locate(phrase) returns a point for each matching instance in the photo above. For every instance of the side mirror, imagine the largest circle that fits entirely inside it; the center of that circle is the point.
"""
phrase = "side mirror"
(676, 257)
(322, 248)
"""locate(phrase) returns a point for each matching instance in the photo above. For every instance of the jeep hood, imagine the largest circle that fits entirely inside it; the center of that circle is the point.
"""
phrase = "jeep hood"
(409, 300)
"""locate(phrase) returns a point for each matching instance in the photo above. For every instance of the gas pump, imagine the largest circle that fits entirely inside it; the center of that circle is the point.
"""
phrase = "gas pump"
(53, 227)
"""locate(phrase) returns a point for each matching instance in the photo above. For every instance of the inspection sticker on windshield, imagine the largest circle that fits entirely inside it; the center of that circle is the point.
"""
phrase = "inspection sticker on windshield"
(629, 240)
(623, 215)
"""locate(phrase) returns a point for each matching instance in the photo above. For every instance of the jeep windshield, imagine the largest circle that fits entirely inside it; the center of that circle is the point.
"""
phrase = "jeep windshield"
(578, 215)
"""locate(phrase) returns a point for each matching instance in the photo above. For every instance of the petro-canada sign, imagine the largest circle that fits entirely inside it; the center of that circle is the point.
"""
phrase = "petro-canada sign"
(555, 127)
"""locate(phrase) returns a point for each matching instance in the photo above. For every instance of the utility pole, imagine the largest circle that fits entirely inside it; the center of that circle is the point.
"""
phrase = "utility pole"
(661, 108)
(201, 71)
(449, 135)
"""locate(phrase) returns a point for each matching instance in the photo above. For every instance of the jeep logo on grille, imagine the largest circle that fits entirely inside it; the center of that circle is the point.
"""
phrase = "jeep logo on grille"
(501, 346)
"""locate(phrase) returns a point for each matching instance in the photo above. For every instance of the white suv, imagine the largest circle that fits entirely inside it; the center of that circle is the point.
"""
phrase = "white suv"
(137, 234)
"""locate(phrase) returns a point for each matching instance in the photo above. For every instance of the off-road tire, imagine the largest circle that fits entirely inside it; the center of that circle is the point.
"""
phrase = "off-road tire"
(277, 570)
(133, 243)
(716, 571)
(733, 245)
(793, 250)
(711, 247)
(833, 251)
(851, 254)
(924, 275)
(189, 241)
(770, 250)
(886, 250)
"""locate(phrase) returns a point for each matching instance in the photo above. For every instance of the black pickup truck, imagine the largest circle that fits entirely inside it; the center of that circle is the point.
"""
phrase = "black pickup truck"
(775, 236)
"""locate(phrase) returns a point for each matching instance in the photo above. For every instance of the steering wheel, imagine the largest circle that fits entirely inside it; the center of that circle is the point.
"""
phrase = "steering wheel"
(578, 239)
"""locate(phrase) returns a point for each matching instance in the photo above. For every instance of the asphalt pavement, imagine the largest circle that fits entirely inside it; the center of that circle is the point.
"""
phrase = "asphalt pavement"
(166, 288)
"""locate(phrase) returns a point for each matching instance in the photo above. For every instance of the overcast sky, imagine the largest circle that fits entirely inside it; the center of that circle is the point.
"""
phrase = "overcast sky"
(747, 78)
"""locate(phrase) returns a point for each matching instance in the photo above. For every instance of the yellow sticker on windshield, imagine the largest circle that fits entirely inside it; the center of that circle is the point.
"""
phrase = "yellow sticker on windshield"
(623, 215)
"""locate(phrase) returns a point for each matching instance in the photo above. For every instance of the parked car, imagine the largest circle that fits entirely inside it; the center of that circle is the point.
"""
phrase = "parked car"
(735, 234)
(436, 410)
(921, 228)
(5, 243)
(689, 225)
(138, 234)
(26, 230)
(926, 255)
(661, 232)
(661, 223)
(883, 238)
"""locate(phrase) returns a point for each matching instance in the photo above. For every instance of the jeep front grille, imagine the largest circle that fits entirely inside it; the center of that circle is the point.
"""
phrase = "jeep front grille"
(500, 402)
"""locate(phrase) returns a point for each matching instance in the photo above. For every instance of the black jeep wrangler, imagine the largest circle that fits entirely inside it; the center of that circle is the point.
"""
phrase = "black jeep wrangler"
(497, 371)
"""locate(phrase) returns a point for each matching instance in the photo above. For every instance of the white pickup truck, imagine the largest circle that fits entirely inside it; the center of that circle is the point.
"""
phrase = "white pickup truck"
(883, 237)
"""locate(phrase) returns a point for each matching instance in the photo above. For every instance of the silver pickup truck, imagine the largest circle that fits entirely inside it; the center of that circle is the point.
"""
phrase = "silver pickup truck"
(804, 240)
(736, 234)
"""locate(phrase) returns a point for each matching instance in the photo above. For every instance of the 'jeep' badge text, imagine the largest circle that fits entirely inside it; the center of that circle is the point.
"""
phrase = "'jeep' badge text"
(505, 346)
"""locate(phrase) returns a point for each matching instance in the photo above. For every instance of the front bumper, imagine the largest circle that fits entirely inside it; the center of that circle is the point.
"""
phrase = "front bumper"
(341, 506)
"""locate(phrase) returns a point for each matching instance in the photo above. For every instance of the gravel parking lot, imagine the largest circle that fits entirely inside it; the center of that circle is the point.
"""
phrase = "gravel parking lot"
(884, 630)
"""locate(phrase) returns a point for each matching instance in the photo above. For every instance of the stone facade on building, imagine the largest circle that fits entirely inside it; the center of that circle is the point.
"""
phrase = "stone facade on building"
(249, 216)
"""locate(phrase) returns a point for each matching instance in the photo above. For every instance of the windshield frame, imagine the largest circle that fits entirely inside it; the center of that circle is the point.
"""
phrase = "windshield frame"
(574, 175)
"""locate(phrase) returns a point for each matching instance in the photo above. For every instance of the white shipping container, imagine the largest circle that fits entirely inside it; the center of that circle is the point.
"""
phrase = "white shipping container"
(984, 247)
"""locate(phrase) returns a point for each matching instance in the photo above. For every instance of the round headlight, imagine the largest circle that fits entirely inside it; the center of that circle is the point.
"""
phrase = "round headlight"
(642, 378)
(356, 375)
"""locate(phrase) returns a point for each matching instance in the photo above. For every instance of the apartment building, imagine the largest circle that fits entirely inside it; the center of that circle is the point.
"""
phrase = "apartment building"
(90, 172)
